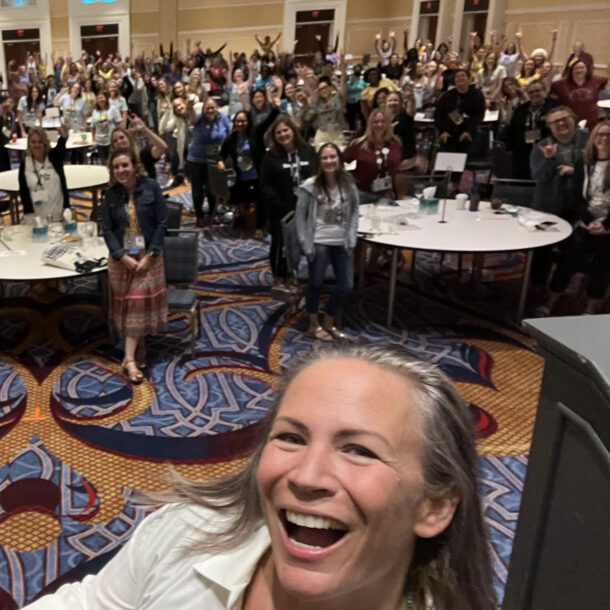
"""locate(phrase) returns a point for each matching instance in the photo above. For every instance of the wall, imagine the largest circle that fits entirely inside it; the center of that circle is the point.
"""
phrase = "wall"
(216, 21)
(587, 22)
(366, 17)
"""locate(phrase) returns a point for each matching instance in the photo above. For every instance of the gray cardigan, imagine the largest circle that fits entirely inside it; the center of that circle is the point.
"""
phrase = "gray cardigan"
(307, 210)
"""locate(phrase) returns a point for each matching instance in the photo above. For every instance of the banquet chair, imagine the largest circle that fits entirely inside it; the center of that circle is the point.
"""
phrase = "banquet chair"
(174, 215)
(292, 252)
(408, 184)
(180, 259)
(514, 192)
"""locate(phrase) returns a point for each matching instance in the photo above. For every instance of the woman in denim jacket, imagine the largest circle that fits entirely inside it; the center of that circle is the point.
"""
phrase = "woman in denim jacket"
(327, 224)
(134, 221)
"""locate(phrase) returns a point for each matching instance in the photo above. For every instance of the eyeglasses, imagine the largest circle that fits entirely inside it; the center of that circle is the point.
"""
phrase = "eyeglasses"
(535, 91)
(603, 134)
(320, 89)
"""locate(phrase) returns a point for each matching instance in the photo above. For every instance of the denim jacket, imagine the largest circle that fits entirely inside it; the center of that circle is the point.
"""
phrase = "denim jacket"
(150, 210)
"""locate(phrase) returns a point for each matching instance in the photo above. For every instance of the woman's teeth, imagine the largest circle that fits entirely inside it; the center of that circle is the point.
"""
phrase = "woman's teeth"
(313, 522)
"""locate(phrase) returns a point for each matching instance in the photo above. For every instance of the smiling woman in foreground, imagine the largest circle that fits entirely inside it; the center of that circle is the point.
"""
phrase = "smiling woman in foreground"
(361, 495)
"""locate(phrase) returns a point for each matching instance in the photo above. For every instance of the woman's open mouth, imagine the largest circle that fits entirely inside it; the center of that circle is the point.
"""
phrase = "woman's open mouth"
(311, 532)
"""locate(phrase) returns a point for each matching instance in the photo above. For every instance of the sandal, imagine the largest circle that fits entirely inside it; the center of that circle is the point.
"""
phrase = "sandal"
(132, 372)
(335, 333)
(319, 333)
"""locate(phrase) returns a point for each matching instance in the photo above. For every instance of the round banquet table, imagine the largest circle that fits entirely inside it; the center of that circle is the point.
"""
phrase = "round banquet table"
(20, 257)
(463, 232)
(78, 177)
(75, 140)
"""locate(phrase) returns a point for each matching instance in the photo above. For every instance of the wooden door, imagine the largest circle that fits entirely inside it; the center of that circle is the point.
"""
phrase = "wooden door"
(105, 44)
(19, 49)
(307, 44)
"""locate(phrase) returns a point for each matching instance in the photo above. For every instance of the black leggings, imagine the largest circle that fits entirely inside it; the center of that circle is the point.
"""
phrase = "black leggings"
(200, 186)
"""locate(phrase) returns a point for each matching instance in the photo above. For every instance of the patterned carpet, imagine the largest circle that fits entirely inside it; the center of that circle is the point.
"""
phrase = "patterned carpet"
(76, 441)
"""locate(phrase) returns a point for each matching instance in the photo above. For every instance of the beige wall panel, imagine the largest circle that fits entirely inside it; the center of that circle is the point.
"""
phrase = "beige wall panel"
(145, 23)
(144, 45)
(558, 6)
(58, 8)
(61, 48)
(216, 18)
(240, 41)
(60, 28)
(589, 26)
(143, 6)
(360, 39)
(373, 9)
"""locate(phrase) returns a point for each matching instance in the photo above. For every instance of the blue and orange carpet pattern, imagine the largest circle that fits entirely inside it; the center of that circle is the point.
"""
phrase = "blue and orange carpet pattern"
(77, 441)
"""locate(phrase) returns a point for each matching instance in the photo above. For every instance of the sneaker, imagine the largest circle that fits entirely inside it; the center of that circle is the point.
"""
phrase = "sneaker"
(542, 311)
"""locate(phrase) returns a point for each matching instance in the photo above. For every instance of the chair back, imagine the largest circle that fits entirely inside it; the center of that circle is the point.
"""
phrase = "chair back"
(515, 192)
(180, 258)
(415, 184)
(501, 161)
(174, 215)
(292, 248)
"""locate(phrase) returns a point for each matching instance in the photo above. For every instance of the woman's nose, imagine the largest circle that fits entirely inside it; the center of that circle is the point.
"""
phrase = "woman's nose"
(313, 473)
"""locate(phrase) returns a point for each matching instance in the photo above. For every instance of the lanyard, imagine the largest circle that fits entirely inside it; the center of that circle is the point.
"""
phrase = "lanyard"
(36, 171)
(532, 117)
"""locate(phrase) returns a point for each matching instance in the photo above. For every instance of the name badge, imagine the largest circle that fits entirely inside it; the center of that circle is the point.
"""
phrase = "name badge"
(40, 196)
(134, 243)
(532, 136)
(456, 117)
(382, 184)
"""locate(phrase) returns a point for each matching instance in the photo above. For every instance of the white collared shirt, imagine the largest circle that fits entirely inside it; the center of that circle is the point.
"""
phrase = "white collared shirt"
(154, 572)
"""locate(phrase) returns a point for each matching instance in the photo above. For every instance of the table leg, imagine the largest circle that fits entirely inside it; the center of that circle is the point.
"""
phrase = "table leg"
(392, 286)
(524, 286)
(14, 208)
(93, 216)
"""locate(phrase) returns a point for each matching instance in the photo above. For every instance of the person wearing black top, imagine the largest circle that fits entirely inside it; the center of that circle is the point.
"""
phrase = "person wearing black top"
(527, 127)
(287, 163)
(245, 148)
(8, 127)
(458, 114)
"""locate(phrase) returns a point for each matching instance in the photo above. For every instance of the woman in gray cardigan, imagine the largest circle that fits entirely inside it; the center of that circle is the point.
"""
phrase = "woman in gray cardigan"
(327, 225)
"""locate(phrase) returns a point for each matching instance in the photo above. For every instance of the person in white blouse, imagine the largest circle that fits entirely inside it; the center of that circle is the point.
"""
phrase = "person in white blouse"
(361, 494)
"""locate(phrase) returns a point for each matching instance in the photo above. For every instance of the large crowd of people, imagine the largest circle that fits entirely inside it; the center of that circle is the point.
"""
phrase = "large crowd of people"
(275, 121)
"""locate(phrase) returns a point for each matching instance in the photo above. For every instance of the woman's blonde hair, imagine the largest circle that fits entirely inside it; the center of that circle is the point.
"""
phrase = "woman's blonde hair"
(590, 154)
(42, 134)
(366, 141)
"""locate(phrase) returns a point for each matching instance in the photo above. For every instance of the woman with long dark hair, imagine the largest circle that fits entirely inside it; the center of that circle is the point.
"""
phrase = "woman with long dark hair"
(29, 109)
(327, 226)
(288, 162)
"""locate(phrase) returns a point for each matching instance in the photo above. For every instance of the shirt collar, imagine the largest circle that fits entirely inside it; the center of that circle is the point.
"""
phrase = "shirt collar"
(233, 570)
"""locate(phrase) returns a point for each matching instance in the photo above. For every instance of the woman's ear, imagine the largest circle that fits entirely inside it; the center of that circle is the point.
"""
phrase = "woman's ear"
(435, 514)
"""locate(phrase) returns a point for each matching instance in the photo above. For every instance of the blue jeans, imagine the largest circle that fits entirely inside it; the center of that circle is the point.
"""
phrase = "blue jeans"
(343, 267)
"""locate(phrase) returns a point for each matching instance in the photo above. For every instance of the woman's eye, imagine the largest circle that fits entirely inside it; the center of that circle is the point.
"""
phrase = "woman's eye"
(290, 437)
(360, 451)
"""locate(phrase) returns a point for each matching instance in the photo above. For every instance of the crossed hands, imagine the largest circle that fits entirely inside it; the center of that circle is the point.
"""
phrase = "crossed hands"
(135, 266)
